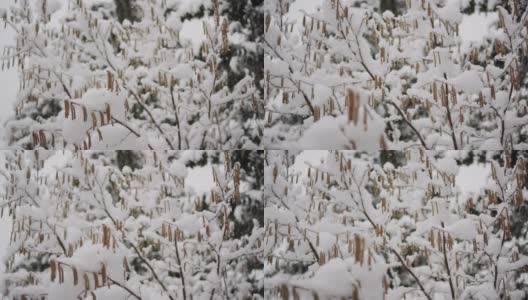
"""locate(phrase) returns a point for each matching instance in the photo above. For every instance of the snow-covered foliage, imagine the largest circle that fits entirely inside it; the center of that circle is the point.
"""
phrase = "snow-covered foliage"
(95, 75)
(360, 226)
(344, 76)
(84, 228)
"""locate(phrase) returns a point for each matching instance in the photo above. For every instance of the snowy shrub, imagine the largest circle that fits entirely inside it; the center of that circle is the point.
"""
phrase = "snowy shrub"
(94, 75)
(359, 226)
(347, 77)
(86, 228)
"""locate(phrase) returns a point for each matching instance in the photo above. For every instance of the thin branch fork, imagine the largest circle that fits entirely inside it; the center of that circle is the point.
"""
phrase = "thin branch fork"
(182, 276)
(404, 265)
(306, 100)
(408, 122)
(144, 260)
(61, 244)
(312, 248)
(138, 100)
(446, 262)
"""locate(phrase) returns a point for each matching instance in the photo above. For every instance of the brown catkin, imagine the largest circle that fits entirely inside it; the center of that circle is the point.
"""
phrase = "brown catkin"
(42, 138)
(66, 109)
(493, 92)
(94, 119)
(35, 139)
(103, 273)
(61, 273)
(72, 111)
(86, 282)
(53, 269)
(225, 40)
(355, 294)
(435, 92)
(284, 292)
(102, 115)
(163, 230)
(358, 248)
(317, 113)
(96, 280)
(454, 96)
(108, 113)
(109, 80)
(125, 264)
(75, 276)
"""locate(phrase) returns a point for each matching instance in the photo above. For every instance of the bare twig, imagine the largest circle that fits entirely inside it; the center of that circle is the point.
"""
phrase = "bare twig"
(182, 276)
(447, 263)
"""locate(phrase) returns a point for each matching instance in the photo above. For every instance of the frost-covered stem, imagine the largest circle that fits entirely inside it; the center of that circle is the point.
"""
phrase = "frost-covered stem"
(181, 268)
(502, 131)
(124, 287)
(500, 118)
(306, 100)
(447, 263)
(61, 244)
(404, 265)
(225, 284)
(177, 119)
(103, 203)
(508, 104)
(394, 251)
(149, 113)
(134, 246)
(496, 264)
(151, 270)
(361, 200)
(281, 14)
(300, 231)
(59, 240)
(450, 120)
(218, 261)
(373, 78)
(422, 141)
(138, 100)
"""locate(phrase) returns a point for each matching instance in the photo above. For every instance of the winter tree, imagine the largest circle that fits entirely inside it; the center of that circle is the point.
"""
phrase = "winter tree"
(86, 228)
(348, 77)
(395, 226)
(105, 74)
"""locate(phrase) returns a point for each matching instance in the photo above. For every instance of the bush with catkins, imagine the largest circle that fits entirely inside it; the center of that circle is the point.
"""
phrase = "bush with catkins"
(83, 227)
(91, 81)
(350, 225)
(343, 76)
